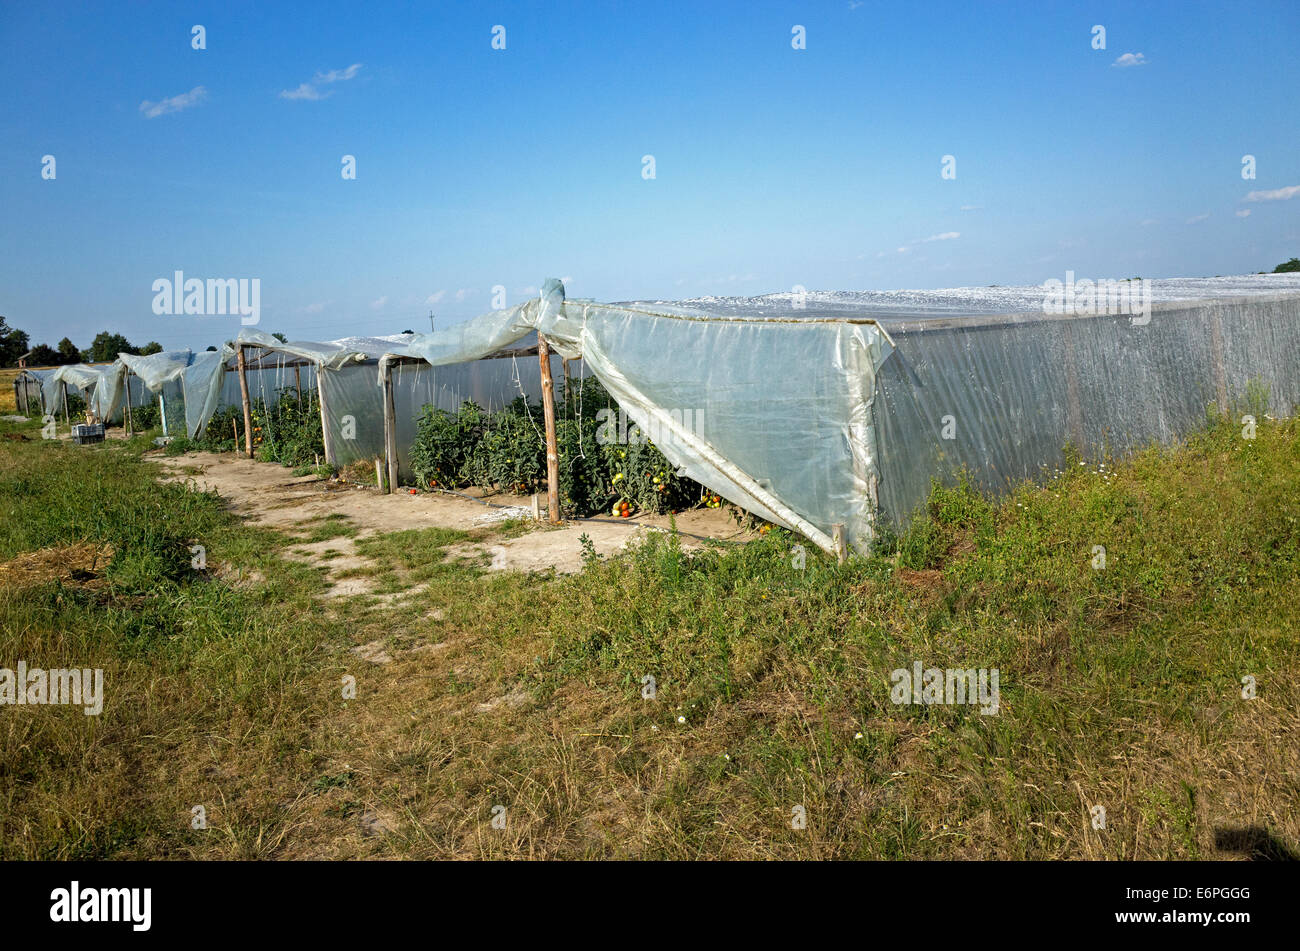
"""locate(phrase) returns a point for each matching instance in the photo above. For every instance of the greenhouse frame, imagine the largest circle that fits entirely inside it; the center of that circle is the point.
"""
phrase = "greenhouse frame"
(827, 413)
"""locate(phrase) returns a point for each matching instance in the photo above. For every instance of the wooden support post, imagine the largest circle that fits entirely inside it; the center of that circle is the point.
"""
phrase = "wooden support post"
(126, 410)
(552, 450)
(297, 382)
(841, 543)
(564, 365)
(234, 424)
(326, 439)
(162, 411)
(67, 420)
(390, 427)
(248, 409)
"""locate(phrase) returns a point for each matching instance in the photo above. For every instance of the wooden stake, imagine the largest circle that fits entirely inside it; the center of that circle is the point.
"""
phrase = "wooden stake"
(130, 426)
(67, 420)
(552, 449)
(248, 409)
(234, 424)
(390, 427)
(297, 381)
(841, 545)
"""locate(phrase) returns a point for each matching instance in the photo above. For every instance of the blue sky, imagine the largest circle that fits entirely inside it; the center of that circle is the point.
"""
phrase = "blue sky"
(479, 167)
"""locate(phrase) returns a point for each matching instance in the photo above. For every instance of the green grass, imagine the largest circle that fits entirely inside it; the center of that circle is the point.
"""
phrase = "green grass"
(1120, 686)
(330, 526)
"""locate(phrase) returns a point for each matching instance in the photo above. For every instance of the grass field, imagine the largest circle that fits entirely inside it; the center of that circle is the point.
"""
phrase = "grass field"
(520, 698)
(7, 378)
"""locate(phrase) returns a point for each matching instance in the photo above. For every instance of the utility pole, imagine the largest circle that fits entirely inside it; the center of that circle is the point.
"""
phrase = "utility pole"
(430, 320)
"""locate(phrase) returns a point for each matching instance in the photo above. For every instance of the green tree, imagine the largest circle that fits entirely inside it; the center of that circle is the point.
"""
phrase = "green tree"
(68, 352)
(106, 346)
(280, 337)
(43, 355)
(13, 344)
(153, 346)
(1288, 267)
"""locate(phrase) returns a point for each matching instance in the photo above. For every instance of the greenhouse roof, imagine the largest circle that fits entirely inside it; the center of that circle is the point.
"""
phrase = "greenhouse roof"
(949, 302)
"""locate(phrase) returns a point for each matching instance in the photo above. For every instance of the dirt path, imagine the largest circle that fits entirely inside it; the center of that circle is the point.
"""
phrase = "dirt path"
(268, 494)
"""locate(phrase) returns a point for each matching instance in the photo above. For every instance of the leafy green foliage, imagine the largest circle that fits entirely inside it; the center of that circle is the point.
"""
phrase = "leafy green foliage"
(287, 433)
(145, 417)
(601, 462)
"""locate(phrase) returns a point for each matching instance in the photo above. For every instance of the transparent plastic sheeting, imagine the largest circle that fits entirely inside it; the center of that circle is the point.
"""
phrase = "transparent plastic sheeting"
(1020, 389)
(354, 392)
(100, 385)
(825, 408)
(353, 397)
(30, 392)
(171, 376)
(829, 408)
(721, 398)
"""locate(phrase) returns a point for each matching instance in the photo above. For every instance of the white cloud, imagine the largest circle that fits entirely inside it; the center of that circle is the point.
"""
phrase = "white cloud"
(338, 75)
(972, 207)
(185, 100)
(942, 236)
(305, 91)
(1244, 213)
(317, 307)
(1277, 194)
(464, 292)
(308, 91)
(436, 297)
(379, 304)
(1196, 219)
(1146, 222)
(1131, 59)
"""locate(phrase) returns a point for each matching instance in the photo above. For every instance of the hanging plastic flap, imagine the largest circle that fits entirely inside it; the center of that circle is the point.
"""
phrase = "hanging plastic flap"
(717, 397)
(158, 368)
(201, 384)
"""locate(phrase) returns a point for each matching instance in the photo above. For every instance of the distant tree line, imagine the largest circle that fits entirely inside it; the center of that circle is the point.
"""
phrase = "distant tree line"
(103, 349)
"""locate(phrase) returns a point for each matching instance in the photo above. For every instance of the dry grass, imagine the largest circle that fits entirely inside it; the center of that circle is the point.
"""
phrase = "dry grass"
(474, 690)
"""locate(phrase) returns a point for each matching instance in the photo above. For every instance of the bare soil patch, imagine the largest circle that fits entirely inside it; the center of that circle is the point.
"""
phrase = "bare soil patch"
(267, 494)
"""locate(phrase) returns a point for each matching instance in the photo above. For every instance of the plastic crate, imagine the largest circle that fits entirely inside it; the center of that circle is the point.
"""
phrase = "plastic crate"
(85, 433)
